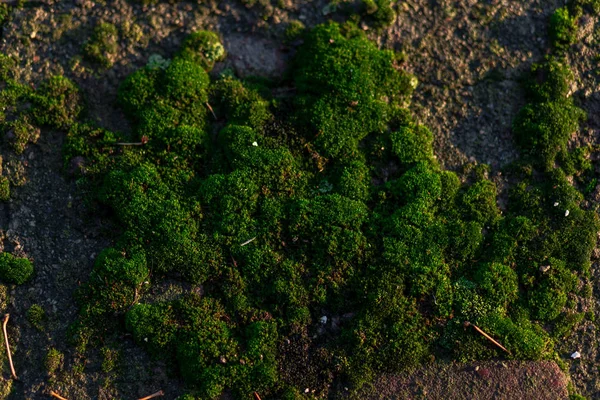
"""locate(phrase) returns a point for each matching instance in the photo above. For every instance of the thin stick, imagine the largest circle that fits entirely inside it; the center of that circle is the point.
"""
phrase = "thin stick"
(211, 110)
(12, 367)
(256, 396)
(248, 241)
(58, 396)
(157, 394)
(488, 337)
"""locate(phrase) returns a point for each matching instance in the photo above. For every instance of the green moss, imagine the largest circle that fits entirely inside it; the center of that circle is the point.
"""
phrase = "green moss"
(53, 362)
(36, 316)
(379, 13)
(186, 82)
(499, 283)
(413, 143)
(21, 133)
(294, 30)
(4, 188)
(57, 103)
(243, 104)
(110, 359)
(548, 81)
(543, 129)
(15, 270)
(114, 285)
(103, 45)
(563, 29)
(287, 208)
(362, 102)
(152, 327)
(202, 48)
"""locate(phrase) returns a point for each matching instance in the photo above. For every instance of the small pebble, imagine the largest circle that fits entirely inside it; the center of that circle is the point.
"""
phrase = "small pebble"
(567, 213)
(575, 355)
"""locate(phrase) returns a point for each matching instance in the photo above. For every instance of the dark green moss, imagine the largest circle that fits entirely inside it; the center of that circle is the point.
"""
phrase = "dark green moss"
(36, 316)
(15, 270)
(543, 129)
(288, 208)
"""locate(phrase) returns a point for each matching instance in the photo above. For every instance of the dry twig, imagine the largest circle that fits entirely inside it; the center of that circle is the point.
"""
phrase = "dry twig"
(153, 395)
(56, 395)
(256, 396)
(12, 367)
(488, 337)
(248, 241)
(143, 141)
(211, 110)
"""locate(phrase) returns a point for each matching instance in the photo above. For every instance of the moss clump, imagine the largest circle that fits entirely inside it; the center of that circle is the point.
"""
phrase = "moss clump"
(499, 283)
(563, 28)
(36, 316)
(544, 128)
(379, 13)
(53, 361)
(364, 98)
(57, 103)
(288, 209)
(548, 81)
(21, 133)
(103, 45)
(115, 283)
(412, 143)
(15, 270)
(294, 30)
(4, 188)
(203, 48)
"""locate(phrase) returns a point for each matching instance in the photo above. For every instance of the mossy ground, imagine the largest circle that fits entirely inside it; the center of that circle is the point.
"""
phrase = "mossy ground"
(343, 181)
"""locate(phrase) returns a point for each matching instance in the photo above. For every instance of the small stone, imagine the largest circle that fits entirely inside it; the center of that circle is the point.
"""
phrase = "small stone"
(544, 268)
(255, 144)
(567, 213)
(576, 355)
(323, 319)
(306, 390)
(555, 203)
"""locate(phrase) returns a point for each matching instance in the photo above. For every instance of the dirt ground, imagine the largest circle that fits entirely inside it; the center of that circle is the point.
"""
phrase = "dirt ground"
(467, 55)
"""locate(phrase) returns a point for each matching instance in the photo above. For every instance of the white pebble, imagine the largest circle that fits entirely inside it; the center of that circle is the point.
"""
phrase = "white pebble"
(255, 144)
(575, 355)
(306, 390)
(324, 319)
(567, 213)
(555, 203)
